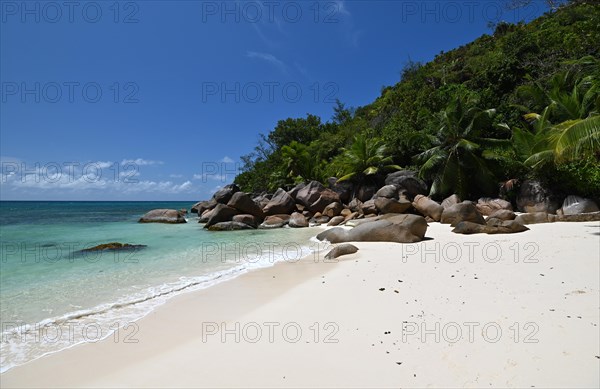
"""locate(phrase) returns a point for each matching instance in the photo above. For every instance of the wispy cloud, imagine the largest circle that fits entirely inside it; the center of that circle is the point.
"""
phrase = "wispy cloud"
(269, 42)
(351, 33)
(213, 177)
(226, 159)
(270, 58)
(341, 8)
(302, 70)
(141, 162)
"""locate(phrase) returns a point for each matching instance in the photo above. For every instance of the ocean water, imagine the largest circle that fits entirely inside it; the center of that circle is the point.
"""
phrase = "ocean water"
(53, 296)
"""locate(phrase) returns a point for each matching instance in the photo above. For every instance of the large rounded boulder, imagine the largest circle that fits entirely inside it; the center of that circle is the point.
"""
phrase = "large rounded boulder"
(344, 189)
(398, 228)
(230, 226)
(386, 205)
(310, 193)
(294, 191)
(574, 205)
(221, 213)
(262, 200)
(534, 197)
(243, 203)
(275, 221)
(326, 198)
(224, 194)
(486, 206)
(202, 206)
(407, 180)
(365, 192)
(168, 216)
(247, 219)
(387, 191)
(280, 203)
(333, 209)
(462, 212)
(298, 220)
(450, 201)
(535, 218)
(428, 207)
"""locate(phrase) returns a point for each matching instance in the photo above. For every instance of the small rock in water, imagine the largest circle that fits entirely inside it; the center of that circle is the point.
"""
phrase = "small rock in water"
(113, 246)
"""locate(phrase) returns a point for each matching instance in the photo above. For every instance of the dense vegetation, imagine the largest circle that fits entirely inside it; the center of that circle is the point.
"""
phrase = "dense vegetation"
(521, 103)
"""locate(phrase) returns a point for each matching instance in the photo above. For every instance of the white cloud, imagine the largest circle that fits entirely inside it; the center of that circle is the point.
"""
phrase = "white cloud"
(226, 159)
(176, 175)
(105, 179)
(58, 183)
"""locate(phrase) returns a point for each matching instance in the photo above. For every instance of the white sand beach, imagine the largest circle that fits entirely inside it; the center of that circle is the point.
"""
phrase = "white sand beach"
(518, 310)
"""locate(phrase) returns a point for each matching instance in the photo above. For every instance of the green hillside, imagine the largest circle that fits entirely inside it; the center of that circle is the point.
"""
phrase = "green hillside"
(520, 103)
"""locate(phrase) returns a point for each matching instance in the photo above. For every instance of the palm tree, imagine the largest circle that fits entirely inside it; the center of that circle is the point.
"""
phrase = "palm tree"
(299, 163)
(457, 162)
(577, 133)
(364, 158)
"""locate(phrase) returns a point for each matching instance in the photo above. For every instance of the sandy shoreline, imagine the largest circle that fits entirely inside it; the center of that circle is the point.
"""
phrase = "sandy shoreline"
(518, 310)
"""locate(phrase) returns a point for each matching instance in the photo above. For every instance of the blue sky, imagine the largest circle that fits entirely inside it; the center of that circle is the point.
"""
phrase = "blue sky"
(157, 100)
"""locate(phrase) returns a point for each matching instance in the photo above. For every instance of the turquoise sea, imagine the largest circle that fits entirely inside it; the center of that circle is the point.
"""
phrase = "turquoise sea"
(53, 297)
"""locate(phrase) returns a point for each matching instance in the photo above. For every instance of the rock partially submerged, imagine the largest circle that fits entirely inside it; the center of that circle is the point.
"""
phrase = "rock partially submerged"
(202, 206)
(250, 220)
(169, 216)
(275, 221)
(221, 213)
(230, 226)
(298, 220)
(343, 249)
(336, 220)
(114, 246)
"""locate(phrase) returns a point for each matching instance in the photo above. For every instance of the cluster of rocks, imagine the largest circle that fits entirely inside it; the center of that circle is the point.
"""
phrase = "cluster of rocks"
(397, 211)
(310, 204)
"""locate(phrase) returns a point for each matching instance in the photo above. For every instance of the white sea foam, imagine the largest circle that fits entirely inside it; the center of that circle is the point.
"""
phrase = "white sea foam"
(23, 342)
